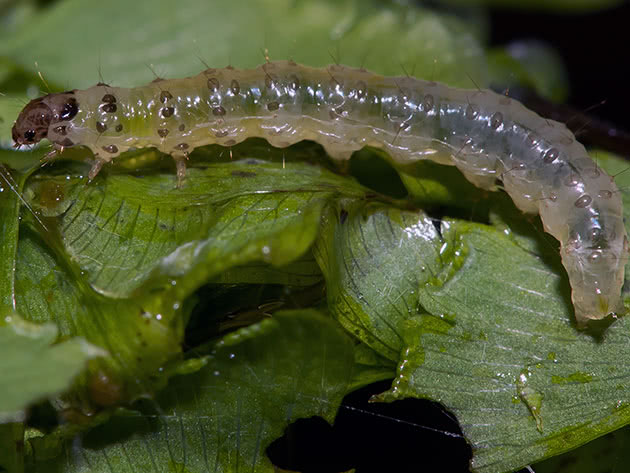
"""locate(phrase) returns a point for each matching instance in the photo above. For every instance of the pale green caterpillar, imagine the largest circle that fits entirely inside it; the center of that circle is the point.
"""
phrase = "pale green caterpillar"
(486, 135)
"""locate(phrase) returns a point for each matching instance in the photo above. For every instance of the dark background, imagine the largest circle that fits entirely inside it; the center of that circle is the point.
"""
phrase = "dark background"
(413, 435)
(594, 49)
(593, 46)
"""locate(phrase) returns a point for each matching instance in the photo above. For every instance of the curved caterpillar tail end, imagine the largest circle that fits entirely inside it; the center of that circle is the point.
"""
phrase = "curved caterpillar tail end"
(596, 282)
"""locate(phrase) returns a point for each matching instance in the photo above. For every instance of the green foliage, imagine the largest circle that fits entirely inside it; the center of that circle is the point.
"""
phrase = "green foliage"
(151, 312)
(32, 369)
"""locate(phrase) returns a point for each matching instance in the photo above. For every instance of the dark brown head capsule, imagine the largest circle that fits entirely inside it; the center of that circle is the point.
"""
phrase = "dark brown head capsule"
(40, 114)
(32, 124)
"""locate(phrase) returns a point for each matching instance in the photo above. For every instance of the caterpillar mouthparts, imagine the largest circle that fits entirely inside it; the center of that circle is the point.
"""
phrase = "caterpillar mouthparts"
(487, 136)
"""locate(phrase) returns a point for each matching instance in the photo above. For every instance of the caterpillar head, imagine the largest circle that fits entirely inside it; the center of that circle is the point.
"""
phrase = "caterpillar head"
(35, 120)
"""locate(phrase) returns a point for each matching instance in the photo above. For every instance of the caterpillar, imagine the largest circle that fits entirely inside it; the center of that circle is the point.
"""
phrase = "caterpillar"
(487, 136)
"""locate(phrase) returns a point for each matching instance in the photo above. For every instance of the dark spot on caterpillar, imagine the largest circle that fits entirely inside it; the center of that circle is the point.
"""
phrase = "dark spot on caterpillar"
(109, 107)
(101, 127)
(182, 146)
(291, 62)
(243, 174)
(181, 127)
(605, 194)
(218, 111)
(230, 143)
(427, 103)
(111, 149)
(235, 87)
(229, 67)
(119, 128)
(167, 112)
(213, 84)
(583, 201)
(70, 109)
(108, 98)
(343, 216)
(165, 96)
(221, 133)
(102, 84)
(162, 132)
(157, 79)
(532, 140)
(272, 106)
(551, 155)
(67, 142)
(60, 130)
(496, 120)
(471, 112)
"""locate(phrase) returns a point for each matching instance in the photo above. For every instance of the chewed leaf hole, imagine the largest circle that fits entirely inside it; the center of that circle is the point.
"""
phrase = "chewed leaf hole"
(407, 435)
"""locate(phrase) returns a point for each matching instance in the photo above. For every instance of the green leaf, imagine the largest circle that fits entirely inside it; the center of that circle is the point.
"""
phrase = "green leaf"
(374, 268)
(126, 232)
(256, 381)
(606, 454)
(495, 343)
(222, 32)
(11, 447)
(11, 200)
(32, 368)
(129, 250)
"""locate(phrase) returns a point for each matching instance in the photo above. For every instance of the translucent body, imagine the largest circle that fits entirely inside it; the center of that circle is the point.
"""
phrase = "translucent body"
(486, 135)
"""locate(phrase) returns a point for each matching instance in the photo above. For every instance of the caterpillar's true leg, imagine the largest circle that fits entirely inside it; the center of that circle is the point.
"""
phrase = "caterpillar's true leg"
(52, 154)
(180, 164)
(96, 167)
